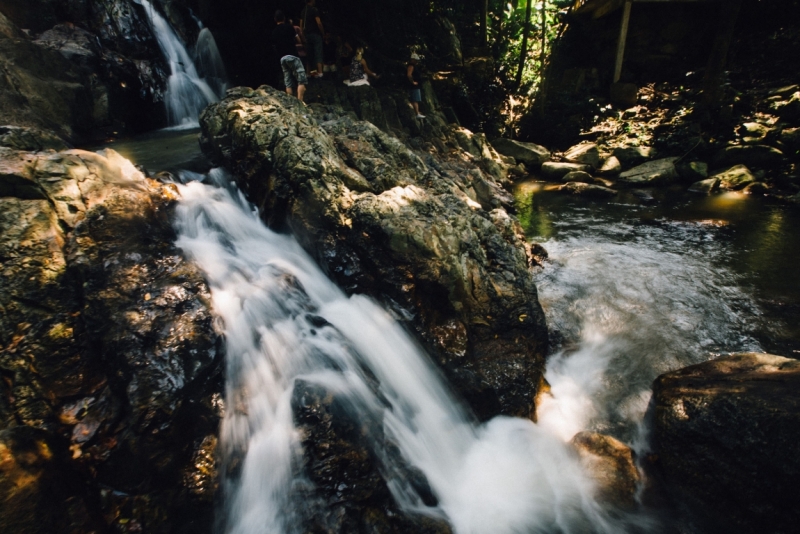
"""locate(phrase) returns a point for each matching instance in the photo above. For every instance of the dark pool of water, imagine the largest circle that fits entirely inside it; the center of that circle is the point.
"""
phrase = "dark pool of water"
(162, 150)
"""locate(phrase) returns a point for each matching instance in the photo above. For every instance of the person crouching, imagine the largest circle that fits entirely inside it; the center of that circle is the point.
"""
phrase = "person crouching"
(284, 37)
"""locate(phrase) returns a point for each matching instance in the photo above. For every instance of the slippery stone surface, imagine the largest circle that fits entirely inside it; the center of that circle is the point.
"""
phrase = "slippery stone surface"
(692, 171)
(611, 464)
(656, 172)
(429, 236)
(349, 494)
(725, 436)
(528, 153)
(108, 349)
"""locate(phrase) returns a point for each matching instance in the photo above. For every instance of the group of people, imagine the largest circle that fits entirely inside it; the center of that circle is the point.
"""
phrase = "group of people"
(309, 40)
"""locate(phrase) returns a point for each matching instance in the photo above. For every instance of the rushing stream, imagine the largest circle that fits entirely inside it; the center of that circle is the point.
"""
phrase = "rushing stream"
(285, 322)
(634, 290)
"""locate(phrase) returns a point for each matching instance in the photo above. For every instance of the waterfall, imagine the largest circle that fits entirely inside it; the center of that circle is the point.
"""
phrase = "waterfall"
(188, 93)
(285, 322)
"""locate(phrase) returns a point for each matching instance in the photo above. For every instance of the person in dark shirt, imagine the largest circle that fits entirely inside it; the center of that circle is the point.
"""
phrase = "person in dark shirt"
(284, 37)
(414, 79)
(314, 30)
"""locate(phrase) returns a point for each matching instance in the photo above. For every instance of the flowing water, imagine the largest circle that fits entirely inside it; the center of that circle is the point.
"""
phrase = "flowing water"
(284, 321)
(188, 91)
(631, 291)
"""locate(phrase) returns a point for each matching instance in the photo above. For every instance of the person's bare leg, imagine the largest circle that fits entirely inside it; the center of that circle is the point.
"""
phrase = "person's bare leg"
(416, 107)
(320, 70)
(301, 90)
(289, 91)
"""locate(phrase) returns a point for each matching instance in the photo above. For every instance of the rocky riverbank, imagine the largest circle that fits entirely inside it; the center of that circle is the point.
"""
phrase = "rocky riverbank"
(110, 368)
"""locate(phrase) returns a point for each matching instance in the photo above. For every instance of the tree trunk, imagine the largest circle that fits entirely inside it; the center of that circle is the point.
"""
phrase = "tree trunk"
(544, 38)
(484, 16)
(712, 82)
(524, 52)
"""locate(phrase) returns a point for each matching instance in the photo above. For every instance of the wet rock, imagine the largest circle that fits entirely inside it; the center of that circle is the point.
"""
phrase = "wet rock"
(587, 190)
(735, 178)
(426, 234)
(578, 176)
(39, 491)
(706, 186)
(725, 436)
(610, 167)
(586, 153)
(633, 155)
(106, 333)
(750, 155)
(612, 466)
(692, 171)
(532, 155)
(556, 171)
(350, 492)
(656, 172)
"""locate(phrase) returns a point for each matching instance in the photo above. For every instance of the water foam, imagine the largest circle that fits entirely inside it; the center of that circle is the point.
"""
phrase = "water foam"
(504, 477)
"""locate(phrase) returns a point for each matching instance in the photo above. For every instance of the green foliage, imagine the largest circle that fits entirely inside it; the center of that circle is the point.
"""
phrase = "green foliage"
(507, 23)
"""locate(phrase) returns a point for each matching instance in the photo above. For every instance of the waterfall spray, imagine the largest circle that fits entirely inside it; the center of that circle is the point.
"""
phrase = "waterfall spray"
(286, 322)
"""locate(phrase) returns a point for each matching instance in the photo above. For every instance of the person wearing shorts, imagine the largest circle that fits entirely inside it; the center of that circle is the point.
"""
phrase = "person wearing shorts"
(284, 38)
(414, 79)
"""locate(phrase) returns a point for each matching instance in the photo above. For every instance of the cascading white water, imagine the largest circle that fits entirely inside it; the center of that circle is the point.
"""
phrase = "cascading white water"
(188, 93)
(507, 476)
(209, 62)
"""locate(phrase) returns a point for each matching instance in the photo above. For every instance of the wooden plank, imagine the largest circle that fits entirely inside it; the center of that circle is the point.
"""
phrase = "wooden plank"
(623, 36)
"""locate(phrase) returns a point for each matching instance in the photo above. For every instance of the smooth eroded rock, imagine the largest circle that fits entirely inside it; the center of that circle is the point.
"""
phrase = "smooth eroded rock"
(611, 464)
(610, 167)
(578, 176)
(749, 155)
(634, 155)
(587, 190)
(585, 153)
(705, 187)
(725, 436)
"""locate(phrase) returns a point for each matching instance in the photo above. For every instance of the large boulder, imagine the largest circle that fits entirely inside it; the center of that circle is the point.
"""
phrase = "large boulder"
(735, 178)
(108, 346)
(586, 153)
(555, 170)
(528, 153)
(428, 236)
(725, 436)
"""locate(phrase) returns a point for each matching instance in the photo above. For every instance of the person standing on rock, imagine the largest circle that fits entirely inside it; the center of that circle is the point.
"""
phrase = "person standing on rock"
(415, 79)
(314, 30)
(284, 37)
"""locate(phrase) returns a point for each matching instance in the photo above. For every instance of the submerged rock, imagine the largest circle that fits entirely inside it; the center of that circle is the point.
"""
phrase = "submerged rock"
(725, 436)
(428, 236)
(107, 339)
